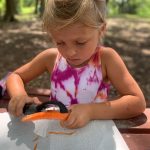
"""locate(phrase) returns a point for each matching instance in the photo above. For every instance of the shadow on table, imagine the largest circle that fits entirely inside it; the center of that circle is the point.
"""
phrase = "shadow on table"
(21, 133)
(132, 122)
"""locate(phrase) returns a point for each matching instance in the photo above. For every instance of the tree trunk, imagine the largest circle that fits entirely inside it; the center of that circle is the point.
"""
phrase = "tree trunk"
(42, 7)
(36, 6)
(10, 11)
(107, 1)
(39, 7)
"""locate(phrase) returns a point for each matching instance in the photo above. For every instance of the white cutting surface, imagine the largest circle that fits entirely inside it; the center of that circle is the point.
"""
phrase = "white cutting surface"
(97, 135)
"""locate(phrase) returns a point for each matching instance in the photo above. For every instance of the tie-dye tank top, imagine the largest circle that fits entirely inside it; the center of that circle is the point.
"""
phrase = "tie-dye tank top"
(78, 85)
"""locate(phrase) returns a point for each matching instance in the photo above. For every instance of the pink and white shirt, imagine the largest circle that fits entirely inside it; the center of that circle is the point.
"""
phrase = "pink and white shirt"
(78, 85)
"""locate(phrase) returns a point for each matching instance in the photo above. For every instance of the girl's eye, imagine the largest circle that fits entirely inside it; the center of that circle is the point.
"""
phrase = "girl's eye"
(80, 43)
(60, 43)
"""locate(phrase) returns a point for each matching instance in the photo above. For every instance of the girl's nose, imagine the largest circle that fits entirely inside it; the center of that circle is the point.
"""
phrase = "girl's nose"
(71, 52)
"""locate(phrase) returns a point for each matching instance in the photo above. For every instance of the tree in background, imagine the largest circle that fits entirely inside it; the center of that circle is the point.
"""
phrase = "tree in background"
(10, 10)
(135, 7)
(39, 7)
(128, 6)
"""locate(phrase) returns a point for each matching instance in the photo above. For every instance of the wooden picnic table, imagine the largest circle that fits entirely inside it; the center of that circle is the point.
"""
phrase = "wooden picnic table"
(135, 131)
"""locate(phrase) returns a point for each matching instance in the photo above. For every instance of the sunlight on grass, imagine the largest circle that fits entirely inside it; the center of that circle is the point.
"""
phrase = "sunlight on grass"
(2, 9)
(130, 17)
(27, 10)
(27, 14)
(26, 17)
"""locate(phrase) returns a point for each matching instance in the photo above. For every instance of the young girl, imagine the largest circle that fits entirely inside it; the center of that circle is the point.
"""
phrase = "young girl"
(80, 67)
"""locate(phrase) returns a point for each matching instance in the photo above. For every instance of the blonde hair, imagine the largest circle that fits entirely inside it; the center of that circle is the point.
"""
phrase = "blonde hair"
(61, 13)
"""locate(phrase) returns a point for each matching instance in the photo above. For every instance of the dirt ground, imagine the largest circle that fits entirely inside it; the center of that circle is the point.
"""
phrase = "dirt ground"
(20, 42)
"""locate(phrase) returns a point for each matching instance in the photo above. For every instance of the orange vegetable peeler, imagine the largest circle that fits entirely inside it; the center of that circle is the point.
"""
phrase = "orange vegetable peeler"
(48, 110)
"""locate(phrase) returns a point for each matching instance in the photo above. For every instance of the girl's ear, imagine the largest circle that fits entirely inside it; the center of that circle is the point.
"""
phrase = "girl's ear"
(102, 30)
(103, 27)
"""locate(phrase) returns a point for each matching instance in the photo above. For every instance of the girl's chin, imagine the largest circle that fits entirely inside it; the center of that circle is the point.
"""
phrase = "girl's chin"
(74, 64)
(77, 63)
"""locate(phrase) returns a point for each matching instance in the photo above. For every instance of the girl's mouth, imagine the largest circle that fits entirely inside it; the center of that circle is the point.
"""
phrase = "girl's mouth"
(73, 59)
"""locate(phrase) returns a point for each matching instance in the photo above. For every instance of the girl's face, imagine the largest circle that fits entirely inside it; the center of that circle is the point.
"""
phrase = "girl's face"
(77, 43)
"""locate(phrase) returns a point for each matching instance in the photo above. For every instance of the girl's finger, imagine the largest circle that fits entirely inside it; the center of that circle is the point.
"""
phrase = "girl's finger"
(21, 103)
(69, 122)
(19, 108)
(74, 125)
(36, 100)
(12, 107)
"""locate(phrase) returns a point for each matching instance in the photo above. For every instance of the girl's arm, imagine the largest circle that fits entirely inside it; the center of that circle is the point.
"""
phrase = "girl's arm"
(15, 82)
(131, 101)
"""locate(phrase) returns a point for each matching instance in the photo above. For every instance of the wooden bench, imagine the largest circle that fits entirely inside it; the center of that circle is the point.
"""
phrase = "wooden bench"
(135, 131)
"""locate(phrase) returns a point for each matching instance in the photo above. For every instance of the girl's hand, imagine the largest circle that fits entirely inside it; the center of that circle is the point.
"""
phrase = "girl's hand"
(80, 115)
(17, 103)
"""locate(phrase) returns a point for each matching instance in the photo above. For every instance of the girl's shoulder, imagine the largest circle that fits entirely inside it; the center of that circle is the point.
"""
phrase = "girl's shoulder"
(109, 57)
(108, 54)
(107, 51)
(51, 52)
(49, 57)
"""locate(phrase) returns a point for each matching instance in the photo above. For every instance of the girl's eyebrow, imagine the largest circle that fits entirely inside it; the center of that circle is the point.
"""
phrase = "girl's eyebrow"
(83, 39)
(77, 38)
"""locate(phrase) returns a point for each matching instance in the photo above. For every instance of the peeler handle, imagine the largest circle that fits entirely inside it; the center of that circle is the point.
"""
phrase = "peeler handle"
(62, 107)
(33, 108)
(29, 109)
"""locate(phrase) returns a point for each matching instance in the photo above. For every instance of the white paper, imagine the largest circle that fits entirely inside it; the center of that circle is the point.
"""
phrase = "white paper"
(97, 135)
(49, 126)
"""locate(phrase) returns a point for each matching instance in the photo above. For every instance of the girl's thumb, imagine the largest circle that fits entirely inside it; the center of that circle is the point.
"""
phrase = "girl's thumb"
(36, 101)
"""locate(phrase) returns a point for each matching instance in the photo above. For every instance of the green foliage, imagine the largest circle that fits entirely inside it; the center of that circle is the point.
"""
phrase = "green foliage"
(23, 6)
(144, 9)
(28, 3)
(2, 8)
(135, 7)
(26, 6)
(27, 10)
(112, 8)
(115, 7)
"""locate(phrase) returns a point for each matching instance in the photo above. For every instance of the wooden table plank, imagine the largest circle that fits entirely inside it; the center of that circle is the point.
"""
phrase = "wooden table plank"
(141, 122)
(137, 141)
